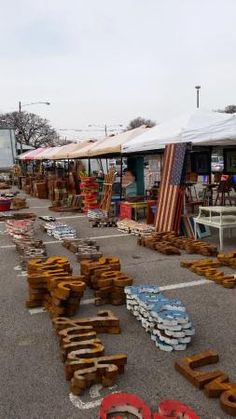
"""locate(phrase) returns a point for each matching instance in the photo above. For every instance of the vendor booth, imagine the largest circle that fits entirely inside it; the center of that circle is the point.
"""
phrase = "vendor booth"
(190, 141)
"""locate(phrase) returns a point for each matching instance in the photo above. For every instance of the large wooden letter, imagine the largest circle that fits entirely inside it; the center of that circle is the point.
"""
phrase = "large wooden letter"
(186, 366)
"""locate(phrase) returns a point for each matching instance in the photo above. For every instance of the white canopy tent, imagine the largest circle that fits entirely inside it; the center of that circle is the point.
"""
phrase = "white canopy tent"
(200, 127)
(113, 145)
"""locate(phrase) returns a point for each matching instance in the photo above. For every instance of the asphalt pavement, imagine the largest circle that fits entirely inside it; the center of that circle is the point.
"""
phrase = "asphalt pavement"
(32, 381)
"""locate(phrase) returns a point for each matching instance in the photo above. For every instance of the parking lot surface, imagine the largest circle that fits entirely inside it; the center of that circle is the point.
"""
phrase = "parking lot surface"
(32, 380)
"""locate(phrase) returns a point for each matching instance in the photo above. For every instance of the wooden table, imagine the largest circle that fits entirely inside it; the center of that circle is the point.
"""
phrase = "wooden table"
(222, 218)
(126, 209)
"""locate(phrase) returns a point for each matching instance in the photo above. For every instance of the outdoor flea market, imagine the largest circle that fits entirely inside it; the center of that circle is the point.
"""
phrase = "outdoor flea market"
(123, 254)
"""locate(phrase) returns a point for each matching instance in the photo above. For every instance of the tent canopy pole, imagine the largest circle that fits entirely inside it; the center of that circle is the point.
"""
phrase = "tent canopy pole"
(121, 176)
(89, 167)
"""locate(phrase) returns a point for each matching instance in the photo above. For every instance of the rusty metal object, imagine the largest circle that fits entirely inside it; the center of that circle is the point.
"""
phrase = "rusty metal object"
(228, 259)
(104, 370)
(73, 341)
(186, 366)
(207, 268)
(104, 322)
(214, 383)
(84, 248)
(228, 402)
(88, 268)
(105, 277)
(51, 285)
(110, 287)
(170, 243)
(83, 352)
(218, 385)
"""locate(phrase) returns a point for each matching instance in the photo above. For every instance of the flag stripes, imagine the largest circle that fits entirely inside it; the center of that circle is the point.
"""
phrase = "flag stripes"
(171, 196)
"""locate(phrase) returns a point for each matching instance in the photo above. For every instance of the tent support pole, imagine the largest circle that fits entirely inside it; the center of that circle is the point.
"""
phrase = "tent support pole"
(210, 177)
(89, 167)
(121, 176)
(101, 165)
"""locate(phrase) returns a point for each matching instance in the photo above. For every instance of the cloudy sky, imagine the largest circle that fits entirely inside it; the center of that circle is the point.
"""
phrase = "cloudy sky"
(108, 61)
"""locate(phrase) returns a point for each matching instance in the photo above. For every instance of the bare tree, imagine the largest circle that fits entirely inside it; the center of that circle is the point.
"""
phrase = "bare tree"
(30, 128)
(228, 109)
(137, 122)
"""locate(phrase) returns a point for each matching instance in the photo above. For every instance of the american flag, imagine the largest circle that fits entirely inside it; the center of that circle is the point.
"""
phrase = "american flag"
(171, 196)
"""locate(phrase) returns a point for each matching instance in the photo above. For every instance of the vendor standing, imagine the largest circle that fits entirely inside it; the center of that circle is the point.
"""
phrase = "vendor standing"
(129, 184)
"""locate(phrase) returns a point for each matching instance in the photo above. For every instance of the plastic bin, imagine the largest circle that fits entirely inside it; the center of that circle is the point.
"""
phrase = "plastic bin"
(5, 204)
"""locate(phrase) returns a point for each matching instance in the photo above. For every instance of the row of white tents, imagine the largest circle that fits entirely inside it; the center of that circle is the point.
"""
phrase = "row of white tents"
(207, 128)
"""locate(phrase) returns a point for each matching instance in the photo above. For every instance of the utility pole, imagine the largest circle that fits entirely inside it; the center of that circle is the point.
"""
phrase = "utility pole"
(20, 131)
(198, 95)
(20, 134)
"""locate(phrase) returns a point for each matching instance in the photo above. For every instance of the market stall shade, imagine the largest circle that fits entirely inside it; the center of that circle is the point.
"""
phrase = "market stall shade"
(200, 127)
(48, 153)
(31, 155)
(83, 151)
(113, 144)
(64, 151)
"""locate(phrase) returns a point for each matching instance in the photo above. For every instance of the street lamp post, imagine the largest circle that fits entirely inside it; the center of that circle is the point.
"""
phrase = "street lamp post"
(19, 110)
(198, 95)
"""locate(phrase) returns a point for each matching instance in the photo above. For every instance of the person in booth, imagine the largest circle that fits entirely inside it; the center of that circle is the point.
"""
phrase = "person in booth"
(129, 184)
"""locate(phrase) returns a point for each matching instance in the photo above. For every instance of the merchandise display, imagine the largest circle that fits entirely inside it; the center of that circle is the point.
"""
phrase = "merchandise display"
(109, 179)
(97, 214)
(149, 192)
(102, 217)
(227, 259)
(60, 231)
(22, 233)
(105, 278)
(171, 244)
(104, 322)
(109, 287)
(83, 352)
(30, 249)
(89, 268)
(17, 216)
(208, 269)
(134, 227)
(172, 189)
(165, 319)
(130, 403)
(20, 229)
(52, 285)
(84, 248)
(85, 372)
(89, 192)
(68, 204)
(40, 189)
(213, 383)
(18, 203)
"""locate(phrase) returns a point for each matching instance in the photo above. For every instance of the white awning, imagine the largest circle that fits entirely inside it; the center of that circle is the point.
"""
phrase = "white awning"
(200, 127)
